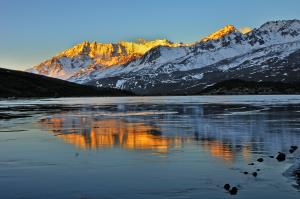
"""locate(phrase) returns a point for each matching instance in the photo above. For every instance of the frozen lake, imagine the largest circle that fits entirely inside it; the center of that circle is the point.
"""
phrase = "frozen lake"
(148, 147)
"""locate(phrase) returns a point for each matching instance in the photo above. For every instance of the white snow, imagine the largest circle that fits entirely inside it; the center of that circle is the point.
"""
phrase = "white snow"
(197, 76)
(120, 83)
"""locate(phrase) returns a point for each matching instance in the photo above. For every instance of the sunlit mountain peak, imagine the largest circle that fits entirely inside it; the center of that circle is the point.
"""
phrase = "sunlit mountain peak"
(245, 30)
(226, 30)
(97, 54)
(94, 49)
(108, 54)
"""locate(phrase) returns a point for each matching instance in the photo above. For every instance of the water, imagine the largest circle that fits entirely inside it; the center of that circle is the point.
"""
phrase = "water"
(148, 147)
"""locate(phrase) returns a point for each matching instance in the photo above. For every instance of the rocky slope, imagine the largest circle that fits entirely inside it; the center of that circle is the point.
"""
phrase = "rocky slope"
(240, 87)
(268, 53)
(22, 84)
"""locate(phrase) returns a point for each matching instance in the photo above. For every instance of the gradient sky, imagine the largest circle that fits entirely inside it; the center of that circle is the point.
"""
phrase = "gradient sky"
(34, 30)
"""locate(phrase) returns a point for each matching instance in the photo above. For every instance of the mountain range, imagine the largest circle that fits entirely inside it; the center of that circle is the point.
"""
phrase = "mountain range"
(269, 53)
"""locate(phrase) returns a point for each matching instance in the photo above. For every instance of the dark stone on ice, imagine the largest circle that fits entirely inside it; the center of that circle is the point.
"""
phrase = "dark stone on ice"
(271, 156)
(251, 163)
(260, 160)
(227, 186)
(233, 191)
(257, 169)
(294, 147)
(280, 157)
(297, 173)
(245, 172)
(291, 150)
(254, 174)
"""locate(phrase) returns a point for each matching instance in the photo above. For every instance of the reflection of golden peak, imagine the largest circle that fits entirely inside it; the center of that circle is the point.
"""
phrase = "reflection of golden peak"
(218, 149)
(226, 30)
(86, 133)
(111, 132)
(223, 151)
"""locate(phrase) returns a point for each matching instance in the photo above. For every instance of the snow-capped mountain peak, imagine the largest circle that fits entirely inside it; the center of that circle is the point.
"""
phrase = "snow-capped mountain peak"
(87, 55)
(226, 30)
(281, 26)
(268, 53)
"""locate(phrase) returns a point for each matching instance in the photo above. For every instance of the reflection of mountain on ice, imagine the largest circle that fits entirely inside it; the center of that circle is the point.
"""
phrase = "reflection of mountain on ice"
(87, 133)
(224, 131)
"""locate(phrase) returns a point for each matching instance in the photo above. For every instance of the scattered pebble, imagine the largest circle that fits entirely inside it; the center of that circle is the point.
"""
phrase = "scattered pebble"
(227, 186)
(233, 191)
(280, 157)
(294, 147)
(260, 160)
(297, 173)
(254, 174)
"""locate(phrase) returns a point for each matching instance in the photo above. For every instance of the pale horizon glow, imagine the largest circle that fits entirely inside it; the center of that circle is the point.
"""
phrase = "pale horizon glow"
(32, 31)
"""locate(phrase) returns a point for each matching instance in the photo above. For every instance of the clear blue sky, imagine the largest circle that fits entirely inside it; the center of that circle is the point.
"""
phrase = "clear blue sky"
(35, 30)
